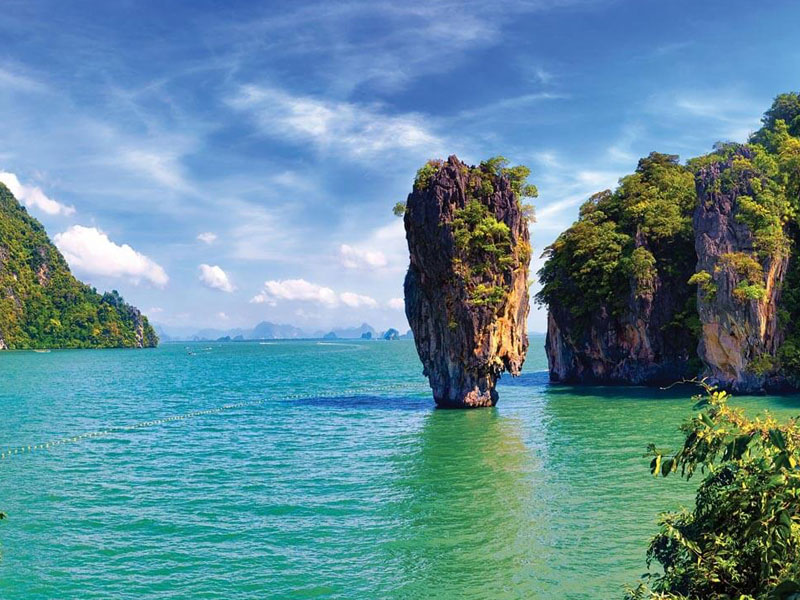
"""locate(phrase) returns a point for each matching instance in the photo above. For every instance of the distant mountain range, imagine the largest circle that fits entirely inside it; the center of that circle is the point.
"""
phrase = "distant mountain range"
(275, 331)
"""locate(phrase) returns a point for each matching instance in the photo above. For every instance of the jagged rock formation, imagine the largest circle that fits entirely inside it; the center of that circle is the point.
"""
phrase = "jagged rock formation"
(738, 302)
(43, 306)
(686, 270)
(466, 290)
(636, 347)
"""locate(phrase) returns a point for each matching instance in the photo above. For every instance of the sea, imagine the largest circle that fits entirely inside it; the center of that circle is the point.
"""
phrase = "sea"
(322, 469)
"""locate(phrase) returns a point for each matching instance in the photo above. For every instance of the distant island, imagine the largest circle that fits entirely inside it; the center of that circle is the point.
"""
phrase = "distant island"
(43, 306)
(686, 270)
(274, 331)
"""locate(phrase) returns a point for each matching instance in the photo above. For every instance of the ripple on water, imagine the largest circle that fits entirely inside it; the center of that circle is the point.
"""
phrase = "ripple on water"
(341, 493)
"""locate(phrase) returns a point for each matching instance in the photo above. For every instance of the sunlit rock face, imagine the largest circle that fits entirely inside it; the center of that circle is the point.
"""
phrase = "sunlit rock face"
(466, 294)
(739, 322)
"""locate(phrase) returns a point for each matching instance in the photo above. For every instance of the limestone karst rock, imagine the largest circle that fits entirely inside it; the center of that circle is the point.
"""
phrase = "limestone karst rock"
(612, 320)
(466, 290)
(738, 305)
(637, 295)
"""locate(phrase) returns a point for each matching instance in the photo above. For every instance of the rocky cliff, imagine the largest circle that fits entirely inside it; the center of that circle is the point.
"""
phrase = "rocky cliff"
(616, 287)
(686, 270)
(43, 306)
(742, 278)
(466, 290)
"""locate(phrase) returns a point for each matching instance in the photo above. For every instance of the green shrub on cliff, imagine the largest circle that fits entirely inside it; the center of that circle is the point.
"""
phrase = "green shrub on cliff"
(486, 254)
(742, 538)
(43, 306)
(624, 240)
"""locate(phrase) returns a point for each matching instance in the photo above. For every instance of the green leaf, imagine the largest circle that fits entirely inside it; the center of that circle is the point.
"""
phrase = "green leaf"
(781, 461)
(776, 437)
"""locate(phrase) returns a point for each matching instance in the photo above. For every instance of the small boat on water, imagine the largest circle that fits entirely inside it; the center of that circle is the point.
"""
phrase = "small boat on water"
(42, 351)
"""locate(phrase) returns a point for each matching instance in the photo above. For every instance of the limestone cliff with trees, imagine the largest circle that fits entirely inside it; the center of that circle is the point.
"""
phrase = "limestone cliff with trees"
(43, 306)
(686, 269)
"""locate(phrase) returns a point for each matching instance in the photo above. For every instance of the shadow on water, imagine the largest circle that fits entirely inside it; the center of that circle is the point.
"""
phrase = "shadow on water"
(366, 402)
(534, 379)
(464, 528)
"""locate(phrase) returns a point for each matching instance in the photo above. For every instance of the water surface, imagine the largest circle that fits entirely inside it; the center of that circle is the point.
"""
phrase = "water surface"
(337, 480)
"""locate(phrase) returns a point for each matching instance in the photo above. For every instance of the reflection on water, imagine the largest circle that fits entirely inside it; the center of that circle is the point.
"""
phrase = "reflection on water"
(465, 504)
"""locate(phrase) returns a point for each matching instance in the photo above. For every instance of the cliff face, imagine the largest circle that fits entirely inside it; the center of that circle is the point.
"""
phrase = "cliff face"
(43, 306)
(733, 244)
(738, 304)
(636, 347)
(466, 290)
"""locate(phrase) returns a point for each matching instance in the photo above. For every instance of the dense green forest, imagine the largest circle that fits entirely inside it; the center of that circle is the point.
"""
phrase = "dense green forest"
(43, 306)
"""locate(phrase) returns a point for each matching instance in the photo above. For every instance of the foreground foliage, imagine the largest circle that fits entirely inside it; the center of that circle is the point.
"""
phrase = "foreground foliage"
(43, 306)
(742, 539)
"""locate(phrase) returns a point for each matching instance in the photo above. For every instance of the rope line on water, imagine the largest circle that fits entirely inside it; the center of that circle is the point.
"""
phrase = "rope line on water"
(6, 454)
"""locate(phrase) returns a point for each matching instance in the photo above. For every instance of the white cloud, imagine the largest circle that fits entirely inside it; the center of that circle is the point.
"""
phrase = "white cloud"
(21, 83)
(360, 130)
(34, 197)
(215, 278)
(295, 289)
(155, 310)
(300, 290)
(223, 316)
(90, 250)
(207, 237)
(360, 258)
(396, 303)
(392, 257)
(357, 300)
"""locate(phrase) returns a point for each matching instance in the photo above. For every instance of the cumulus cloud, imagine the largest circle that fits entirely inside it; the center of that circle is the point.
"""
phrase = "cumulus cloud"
(360, 130)
(90, 250)
(396, 303)
(295, 289)
(303, 291)
(34, 197)
(207, 237)
(215, 278)
(357, 300)
(360, 258)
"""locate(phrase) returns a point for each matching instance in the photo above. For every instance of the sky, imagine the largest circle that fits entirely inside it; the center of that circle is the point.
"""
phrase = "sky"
(221, 164)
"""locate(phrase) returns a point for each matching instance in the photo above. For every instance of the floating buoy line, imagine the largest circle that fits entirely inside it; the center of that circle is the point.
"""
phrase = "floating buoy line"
(109, 431)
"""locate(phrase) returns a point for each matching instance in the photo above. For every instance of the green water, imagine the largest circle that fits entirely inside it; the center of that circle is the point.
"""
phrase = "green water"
(347, 492)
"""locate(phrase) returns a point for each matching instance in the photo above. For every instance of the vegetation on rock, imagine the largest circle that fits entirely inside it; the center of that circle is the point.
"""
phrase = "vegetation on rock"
(629, 243)
(43, 306)
(638, 232)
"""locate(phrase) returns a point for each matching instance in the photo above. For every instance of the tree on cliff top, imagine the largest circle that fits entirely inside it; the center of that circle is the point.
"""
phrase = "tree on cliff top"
(786, 108)
(641, 230)
(496, 167)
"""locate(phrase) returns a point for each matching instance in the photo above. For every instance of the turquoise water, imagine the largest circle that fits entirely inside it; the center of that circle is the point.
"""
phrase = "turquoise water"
(337, 479)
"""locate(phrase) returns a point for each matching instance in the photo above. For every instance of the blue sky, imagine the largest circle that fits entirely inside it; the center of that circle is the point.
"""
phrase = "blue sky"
(226, 163)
